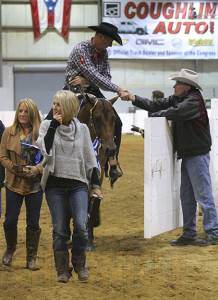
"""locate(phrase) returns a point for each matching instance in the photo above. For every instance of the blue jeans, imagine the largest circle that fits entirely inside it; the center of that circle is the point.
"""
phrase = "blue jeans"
(14, 202)
(196, 187)
(64, 204)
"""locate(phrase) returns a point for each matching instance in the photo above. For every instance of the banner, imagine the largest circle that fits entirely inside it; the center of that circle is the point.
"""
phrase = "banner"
(164, 29)
(54, 13)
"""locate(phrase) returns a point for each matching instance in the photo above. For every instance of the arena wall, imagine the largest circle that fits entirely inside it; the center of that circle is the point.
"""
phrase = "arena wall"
(19, 48)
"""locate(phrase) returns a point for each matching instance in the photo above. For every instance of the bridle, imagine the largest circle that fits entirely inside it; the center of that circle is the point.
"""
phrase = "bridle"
(92, 119)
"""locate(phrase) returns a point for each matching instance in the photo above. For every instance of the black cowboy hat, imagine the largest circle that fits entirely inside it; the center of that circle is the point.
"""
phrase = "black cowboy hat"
(109, 30)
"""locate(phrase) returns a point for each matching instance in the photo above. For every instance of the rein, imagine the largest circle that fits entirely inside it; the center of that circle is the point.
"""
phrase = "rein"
(91, 117)
(92, 122)
(80, 106)
(97, 141)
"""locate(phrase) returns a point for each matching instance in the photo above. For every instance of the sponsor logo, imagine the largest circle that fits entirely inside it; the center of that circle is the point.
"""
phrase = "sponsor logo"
(200, 42)
(112, 9)
(156, 42)
(177, 43)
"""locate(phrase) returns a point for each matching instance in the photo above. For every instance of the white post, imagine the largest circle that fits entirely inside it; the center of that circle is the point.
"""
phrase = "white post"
(162, 210)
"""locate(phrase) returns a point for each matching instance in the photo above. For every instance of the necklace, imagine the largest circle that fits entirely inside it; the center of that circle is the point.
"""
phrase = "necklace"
(26, 131)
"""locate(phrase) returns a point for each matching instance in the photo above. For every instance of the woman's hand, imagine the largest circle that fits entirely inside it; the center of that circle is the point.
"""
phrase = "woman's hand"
(33, 171)
(58, 117)
(97, 192)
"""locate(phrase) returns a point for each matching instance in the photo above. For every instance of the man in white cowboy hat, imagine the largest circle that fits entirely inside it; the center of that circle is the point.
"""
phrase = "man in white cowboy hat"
(192, 142)
(88, 71)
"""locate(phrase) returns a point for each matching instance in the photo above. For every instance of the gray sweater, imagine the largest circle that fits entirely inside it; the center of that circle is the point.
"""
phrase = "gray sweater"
(71, 156)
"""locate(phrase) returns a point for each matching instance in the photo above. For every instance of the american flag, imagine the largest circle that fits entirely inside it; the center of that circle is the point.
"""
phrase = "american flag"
(50, 13)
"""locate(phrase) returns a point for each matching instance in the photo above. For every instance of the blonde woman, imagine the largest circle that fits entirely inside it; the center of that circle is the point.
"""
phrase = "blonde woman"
(22, 182)
(69, 168)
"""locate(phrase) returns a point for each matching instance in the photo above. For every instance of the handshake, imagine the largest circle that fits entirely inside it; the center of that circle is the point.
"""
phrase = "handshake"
(125, 95)
(137, 129)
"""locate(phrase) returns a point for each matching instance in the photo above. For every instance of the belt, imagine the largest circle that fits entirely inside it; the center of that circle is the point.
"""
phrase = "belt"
(75, 89)
(81, 90)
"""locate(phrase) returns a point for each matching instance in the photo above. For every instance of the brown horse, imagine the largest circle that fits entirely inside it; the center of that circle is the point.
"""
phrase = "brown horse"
(99, 116)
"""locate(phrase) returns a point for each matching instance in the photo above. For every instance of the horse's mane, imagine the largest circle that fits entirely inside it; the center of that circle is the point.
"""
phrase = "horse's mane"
(104, 107)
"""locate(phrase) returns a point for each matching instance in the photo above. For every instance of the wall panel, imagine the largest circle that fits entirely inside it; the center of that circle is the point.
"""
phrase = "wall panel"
(16, 15)
(139, 76)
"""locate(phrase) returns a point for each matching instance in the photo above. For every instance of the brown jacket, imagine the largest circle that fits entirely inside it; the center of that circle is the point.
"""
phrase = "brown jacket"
(10, 157)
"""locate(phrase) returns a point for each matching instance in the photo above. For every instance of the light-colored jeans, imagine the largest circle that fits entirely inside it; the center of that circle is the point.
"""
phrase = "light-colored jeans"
(196, 188)
(64, 204)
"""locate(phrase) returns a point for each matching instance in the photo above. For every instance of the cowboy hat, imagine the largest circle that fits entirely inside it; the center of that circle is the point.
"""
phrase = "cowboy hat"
(187, 76)
(109, 30)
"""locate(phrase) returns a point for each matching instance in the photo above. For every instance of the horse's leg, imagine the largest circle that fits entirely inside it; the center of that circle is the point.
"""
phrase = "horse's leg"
(91, 225)
(114, 174)
(96, 223)
(90, 245)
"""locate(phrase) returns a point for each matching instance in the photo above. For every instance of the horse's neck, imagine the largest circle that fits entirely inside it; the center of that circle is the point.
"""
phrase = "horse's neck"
(84, 117)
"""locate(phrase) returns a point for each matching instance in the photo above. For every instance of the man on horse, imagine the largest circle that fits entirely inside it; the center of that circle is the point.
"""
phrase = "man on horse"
(88, 70)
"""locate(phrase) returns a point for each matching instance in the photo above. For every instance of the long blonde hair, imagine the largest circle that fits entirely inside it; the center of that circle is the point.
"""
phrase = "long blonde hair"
(34, 118)
(69, 104)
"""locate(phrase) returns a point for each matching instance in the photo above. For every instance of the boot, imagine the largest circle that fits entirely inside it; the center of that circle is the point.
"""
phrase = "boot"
(32, 242)
(62, 266)
(11, 239)
(83, 274)
(79, 267)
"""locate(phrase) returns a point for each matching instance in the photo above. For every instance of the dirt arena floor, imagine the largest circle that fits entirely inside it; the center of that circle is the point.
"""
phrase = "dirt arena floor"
(125, 265)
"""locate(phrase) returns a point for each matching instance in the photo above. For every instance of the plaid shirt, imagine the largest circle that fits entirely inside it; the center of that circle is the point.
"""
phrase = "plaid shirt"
(86, 61)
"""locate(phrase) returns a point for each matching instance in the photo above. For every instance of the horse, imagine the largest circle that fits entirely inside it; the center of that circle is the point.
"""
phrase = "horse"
(98, 114)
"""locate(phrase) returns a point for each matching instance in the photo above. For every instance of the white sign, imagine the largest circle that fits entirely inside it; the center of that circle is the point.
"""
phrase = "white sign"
(164, 29)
